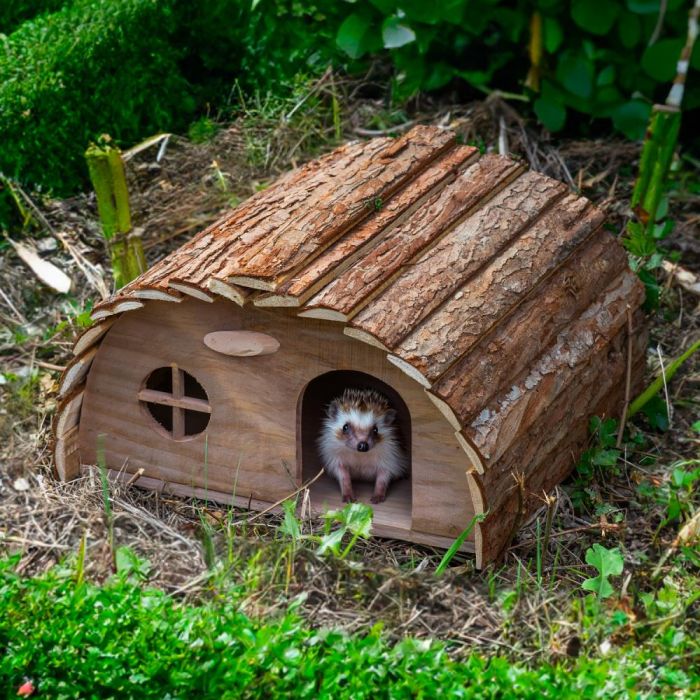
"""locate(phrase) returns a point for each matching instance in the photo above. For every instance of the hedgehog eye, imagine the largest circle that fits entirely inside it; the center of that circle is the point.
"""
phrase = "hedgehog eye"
(346, 427)
(375, 430)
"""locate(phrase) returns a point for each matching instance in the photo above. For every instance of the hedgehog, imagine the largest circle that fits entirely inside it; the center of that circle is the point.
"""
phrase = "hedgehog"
(359, 441)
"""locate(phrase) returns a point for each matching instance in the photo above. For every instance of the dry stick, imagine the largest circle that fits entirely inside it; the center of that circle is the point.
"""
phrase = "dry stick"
(628, 378)
(669, 408)
(281, 501)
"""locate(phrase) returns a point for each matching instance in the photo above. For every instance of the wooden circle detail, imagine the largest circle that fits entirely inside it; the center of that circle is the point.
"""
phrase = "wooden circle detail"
(241, 343)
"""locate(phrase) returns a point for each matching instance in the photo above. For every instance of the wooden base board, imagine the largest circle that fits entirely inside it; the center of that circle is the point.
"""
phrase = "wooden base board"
(392, 519)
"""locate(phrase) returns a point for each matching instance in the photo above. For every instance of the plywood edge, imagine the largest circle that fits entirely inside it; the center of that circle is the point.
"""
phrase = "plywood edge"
(228, 291)
(359, 334)
(445, 409)
(68, 412)
(67, 455)
(474, 457)
(156, 295)
(253, 282)
(325, 314)
(75, 372)
(116, 307)
(277, 300)
(191, 290)
(92, 336)
(410, 370)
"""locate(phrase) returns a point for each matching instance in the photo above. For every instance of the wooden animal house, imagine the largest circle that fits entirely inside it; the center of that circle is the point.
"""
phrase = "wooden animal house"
(487, 302)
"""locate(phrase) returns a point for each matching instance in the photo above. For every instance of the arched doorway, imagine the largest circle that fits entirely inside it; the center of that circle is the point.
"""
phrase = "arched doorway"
(311, 409)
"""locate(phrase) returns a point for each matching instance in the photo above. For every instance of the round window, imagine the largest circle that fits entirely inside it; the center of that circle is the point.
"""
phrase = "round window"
(176, 401)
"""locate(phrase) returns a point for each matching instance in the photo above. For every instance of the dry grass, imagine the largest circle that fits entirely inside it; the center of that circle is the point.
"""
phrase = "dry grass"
(386, 580)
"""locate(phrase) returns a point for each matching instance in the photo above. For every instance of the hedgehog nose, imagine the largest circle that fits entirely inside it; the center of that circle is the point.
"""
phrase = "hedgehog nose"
(362, 447)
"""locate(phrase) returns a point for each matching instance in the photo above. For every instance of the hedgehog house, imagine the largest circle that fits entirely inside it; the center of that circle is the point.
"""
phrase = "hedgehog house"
(487, 302)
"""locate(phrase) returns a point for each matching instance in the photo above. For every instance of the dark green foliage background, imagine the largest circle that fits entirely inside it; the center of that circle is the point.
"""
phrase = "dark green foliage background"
(73, 69)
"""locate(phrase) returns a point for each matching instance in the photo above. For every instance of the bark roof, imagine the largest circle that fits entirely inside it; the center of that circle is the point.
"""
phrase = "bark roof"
(466, 268)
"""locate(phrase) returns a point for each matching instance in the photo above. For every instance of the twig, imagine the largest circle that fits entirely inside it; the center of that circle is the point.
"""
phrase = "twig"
(669, 408)
(628, 378)
(281, 501)
(659, 23)
(383, 132)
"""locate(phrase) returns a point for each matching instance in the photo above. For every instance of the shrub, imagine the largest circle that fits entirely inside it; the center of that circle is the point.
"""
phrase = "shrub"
(90, 67)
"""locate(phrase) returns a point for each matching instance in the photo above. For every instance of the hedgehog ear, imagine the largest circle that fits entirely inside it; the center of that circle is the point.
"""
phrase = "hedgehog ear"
(332, 410)
(390, 416)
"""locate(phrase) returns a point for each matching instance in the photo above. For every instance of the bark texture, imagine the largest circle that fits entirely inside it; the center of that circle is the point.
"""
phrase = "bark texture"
(473, 188)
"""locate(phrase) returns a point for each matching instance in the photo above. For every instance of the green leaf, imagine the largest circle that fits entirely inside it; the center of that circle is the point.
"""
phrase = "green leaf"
(696, 426)
(575, 73)
(629, 29)
(660, 59)
(290, 526)
(631, 118)
(352, 35)
(553, 34)
(644, 7)
(606, 76)
(656, 412)
(608, 562)
(395, 33)
(595, 16)
(549, 108)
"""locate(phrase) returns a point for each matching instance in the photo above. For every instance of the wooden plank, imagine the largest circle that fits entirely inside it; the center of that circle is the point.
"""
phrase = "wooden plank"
(178, 394)
(67, 455)
(91, 336)
(349, 292)
(76, 371)
(353, 192)
(555, 457)
(499, 288)
(114, 307)
(565, 412)
(344, 252)
(510, 347)
(164, 399)
(498, 424)
(68, 413)
(452, 262)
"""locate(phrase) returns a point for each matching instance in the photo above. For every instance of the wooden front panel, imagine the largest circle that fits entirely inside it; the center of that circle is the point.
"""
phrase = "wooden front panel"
(249, 447)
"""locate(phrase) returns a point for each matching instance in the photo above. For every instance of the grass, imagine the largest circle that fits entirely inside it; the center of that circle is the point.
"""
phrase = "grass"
(124, 640)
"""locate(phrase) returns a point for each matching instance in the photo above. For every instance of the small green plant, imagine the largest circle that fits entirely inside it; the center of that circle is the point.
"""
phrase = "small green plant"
(354, 519)
(608, 562)
(597, 462)
(203, 130)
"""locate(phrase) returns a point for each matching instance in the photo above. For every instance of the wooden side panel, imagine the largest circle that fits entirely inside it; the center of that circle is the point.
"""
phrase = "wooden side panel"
(249, 445)
(456, 258)
(550, 451)
(490, 366)
(509, 415)
(503, 284)
(477, 184)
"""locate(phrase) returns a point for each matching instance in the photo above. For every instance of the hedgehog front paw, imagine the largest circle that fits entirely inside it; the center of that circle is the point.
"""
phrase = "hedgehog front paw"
(349, 499)
(378, 498)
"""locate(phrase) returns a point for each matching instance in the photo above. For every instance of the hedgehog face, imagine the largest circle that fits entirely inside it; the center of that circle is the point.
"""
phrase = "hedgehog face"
(360, 419)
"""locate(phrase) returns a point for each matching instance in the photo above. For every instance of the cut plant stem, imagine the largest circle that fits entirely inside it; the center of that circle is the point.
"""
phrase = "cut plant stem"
(109, 181)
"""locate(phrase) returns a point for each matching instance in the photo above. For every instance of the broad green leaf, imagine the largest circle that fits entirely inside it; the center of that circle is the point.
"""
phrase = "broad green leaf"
(290, 526)
(575, 73)
(606, 76)
(644, 7)
(352, 34)
(396, 33)
(595, 16)
(632, 118)
(660, 59)
(629, 29)
(608, 562)
(553, 34)
(550, 112)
